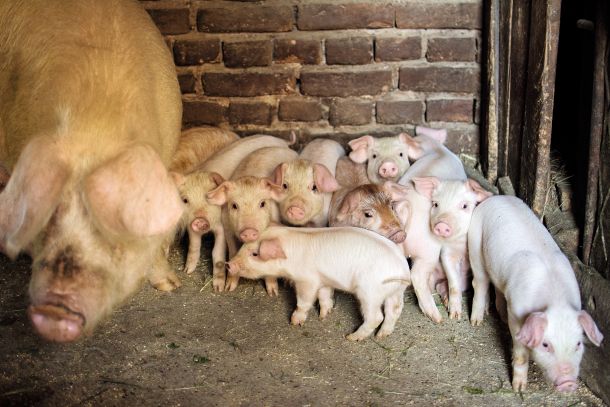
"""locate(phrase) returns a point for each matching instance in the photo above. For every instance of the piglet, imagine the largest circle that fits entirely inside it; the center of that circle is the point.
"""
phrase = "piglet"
(197, 145)
(387, 158)
(509, 246)
(308, 183)
(318, 260)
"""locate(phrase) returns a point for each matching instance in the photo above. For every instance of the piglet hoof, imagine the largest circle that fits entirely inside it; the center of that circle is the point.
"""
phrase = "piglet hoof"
(189, 270)
(219, 284)
(170, 283)
(297, 318)
(232, 283)
(434, 315)
(476, 321)
(457, 315)
(382, 333)
(355, 337)
(519, 383)
(324, 312)
(272, 288)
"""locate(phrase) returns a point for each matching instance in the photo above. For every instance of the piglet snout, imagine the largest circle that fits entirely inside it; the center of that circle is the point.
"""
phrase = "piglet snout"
(398, 237)
(232, 267)
(200, 225)
(56, 322)
(442, 229)
(566, 384)
(388, 170)
(295, 212)
(248, 235)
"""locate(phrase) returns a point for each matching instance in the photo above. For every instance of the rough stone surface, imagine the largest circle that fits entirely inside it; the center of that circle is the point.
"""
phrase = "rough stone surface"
(172, 20)
(250, 113)
(400, 111)
(397, 48)
(451, 49)
(248, 83)
(196, 52)
(349, 51)
(300, 109)
(456, 15)
(307, 52)
(196, 113)
(342, 16)
(245, 18)
(450, 110)
(439, 79)
(187, 83)
(248, 53)
(345, 83)
(353, 112)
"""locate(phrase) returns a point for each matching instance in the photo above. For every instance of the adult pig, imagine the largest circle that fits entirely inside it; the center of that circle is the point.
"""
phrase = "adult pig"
(319, 260)
(387, 158)
(509, 246)
(308, 183)
(197, 145)
(90, 111)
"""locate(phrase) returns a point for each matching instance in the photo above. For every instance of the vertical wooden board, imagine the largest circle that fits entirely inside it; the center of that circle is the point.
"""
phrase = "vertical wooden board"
(542, 58)
(489, 136)
(504, 48)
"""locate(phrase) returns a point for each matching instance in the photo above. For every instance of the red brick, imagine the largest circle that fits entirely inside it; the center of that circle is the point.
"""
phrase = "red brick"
(245, 18)
(397, 48)
(439, 79)
(349, 51)
(248, 83)
(187, 83)
(341, 16)
(197, 113)
(451, 49)
(308, 52)
(400, 111)
(354, 112)
(345, 83)
(463, 139)
(300, 110)
(250, 113)
(249, 53)
(414, 14)
(196, 52)
(450, 110)
(171, 20)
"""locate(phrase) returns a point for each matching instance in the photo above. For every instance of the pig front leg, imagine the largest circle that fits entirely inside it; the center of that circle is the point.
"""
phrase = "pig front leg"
(271, 286)
(392, 308)
(194, 251)
(325, 299)
(219, 256)
(520, 356)
(161, 276)
(370, 305)
(232, 280)
(480, 283)
(451, 262)
(306, 296)
(419, 277)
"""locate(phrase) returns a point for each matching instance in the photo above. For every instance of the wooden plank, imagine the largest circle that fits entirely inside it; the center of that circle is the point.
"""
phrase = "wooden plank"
(489, 136)
(542, 58)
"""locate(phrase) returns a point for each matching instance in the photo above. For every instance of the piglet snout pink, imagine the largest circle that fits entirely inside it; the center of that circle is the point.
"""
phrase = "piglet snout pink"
(398, 237)
(200, 225)
(248, 235)
(566, 384)
(295, 212)
(442, 229)
(388, 170)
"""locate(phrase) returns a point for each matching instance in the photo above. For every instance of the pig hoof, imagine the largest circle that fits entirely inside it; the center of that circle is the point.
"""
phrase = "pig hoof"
(218, 284)
(324, 313)
(296, 319)
(232, 284)
(476, 322)
(383, 333)
(272, 290)
(457, 315)
(167, 285)
(519, 384)
(355, 337)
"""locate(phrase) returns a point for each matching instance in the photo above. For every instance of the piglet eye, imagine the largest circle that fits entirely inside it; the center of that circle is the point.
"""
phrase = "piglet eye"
(285, 186)
(262, 204)
(401, 154)
(314, 188)
(578, 345)
(374, 155)
(464, 206)
(234, 206)
(368, 214)
(255, 254)
(434, 204)
(185, 200)
(545, 345)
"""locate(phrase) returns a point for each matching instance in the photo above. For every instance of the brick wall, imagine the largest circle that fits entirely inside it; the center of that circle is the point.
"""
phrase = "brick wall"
(338, 68)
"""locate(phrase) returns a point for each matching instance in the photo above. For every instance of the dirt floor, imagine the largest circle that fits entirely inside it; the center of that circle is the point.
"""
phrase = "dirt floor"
(194, 347)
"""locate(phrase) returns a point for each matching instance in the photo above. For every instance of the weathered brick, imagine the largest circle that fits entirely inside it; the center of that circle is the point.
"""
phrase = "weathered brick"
(397, 48)
(245, 18)
(196, 112)
(451, 49)
(349, 51)
(196, 52)
(187, 83)
(345, 83)
(463, 139)
(450, 110)
(171, 20)
(341, 16)
(248, 83)
(355, 112)
(439, 79)
(249, 53)
(400, 111)
(300, 110)
(307, 52)
(427, 14)
(250, 113)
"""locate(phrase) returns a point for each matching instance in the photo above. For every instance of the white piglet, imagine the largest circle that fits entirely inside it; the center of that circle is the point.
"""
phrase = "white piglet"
(319, 260)
(509, 246)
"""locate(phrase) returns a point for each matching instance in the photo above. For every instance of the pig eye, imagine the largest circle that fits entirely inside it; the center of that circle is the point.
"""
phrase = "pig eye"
(255, 254)
(465, 206)
(434, 204)
(314, 188)
(185, 200)
(234, 206)
(285, 186)
(578, 345)
(262, 204)
(374, 155)
(400, 154)
(368, 214)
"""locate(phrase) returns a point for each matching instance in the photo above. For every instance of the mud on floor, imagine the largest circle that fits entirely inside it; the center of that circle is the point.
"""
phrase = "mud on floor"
(195, 347)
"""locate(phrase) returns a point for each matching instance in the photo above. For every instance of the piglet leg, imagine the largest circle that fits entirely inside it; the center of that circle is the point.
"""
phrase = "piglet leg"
(192, 257)
(371, 311)
(325, 298)
(161, 276)
(419, 277)
(219, 255)
(392, 308)
(520, 357)
(451, 264)
(306, 296)
(271, 286)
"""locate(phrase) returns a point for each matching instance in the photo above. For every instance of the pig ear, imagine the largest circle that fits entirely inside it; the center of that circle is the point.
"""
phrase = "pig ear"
(415, 151)
(591, 330)
(134, 194)
(324, 179)
(278, 173)
(271, 249)
(532, 331)
(426, 185)
(349, 204)
(481, 193)
(276, 192)
(177, 177)
(31, 194)
(439, 135)
(219, 195)
(216, 178)
(360, 148)
(397, 192)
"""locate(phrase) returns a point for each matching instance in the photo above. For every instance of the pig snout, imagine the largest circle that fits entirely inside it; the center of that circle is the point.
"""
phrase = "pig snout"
(398, 237)
(295, 212)
(248, 235)
(56, 322)
(566, 384)
(200, 225)
(232, 267)
(388, 170)
(442, 229)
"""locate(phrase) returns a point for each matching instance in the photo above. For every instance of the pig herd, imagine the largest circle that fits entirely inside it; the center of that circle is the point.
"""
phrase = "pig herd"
(96, 181)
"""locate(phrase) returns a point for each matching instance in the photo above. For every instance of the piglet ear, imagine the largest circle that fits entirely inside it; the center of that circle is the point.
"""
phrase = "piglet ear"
(532, 331)
(133, 194)
(350, 203)
(415, 151)
(439, 135)
(425, 186)
(481, 193)
(396, 191)
(219, 195)
(216, 178)
(271, 249)
(324, 179)
(278, 173)
(360, 148)
(177, 177)
(276, 192)
(31, 194)
(591, 330)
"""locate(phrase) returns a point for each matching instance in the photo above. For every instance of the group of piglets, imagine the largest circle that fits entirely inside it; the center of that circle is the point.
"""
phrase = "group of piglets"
(391, 199)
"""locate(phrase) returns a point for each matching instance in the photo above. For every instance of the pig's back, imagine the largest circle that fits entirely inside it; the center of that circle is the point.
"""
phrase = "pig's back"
(97, 76)
(323, 151)
(440, 163)
(262, 162)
